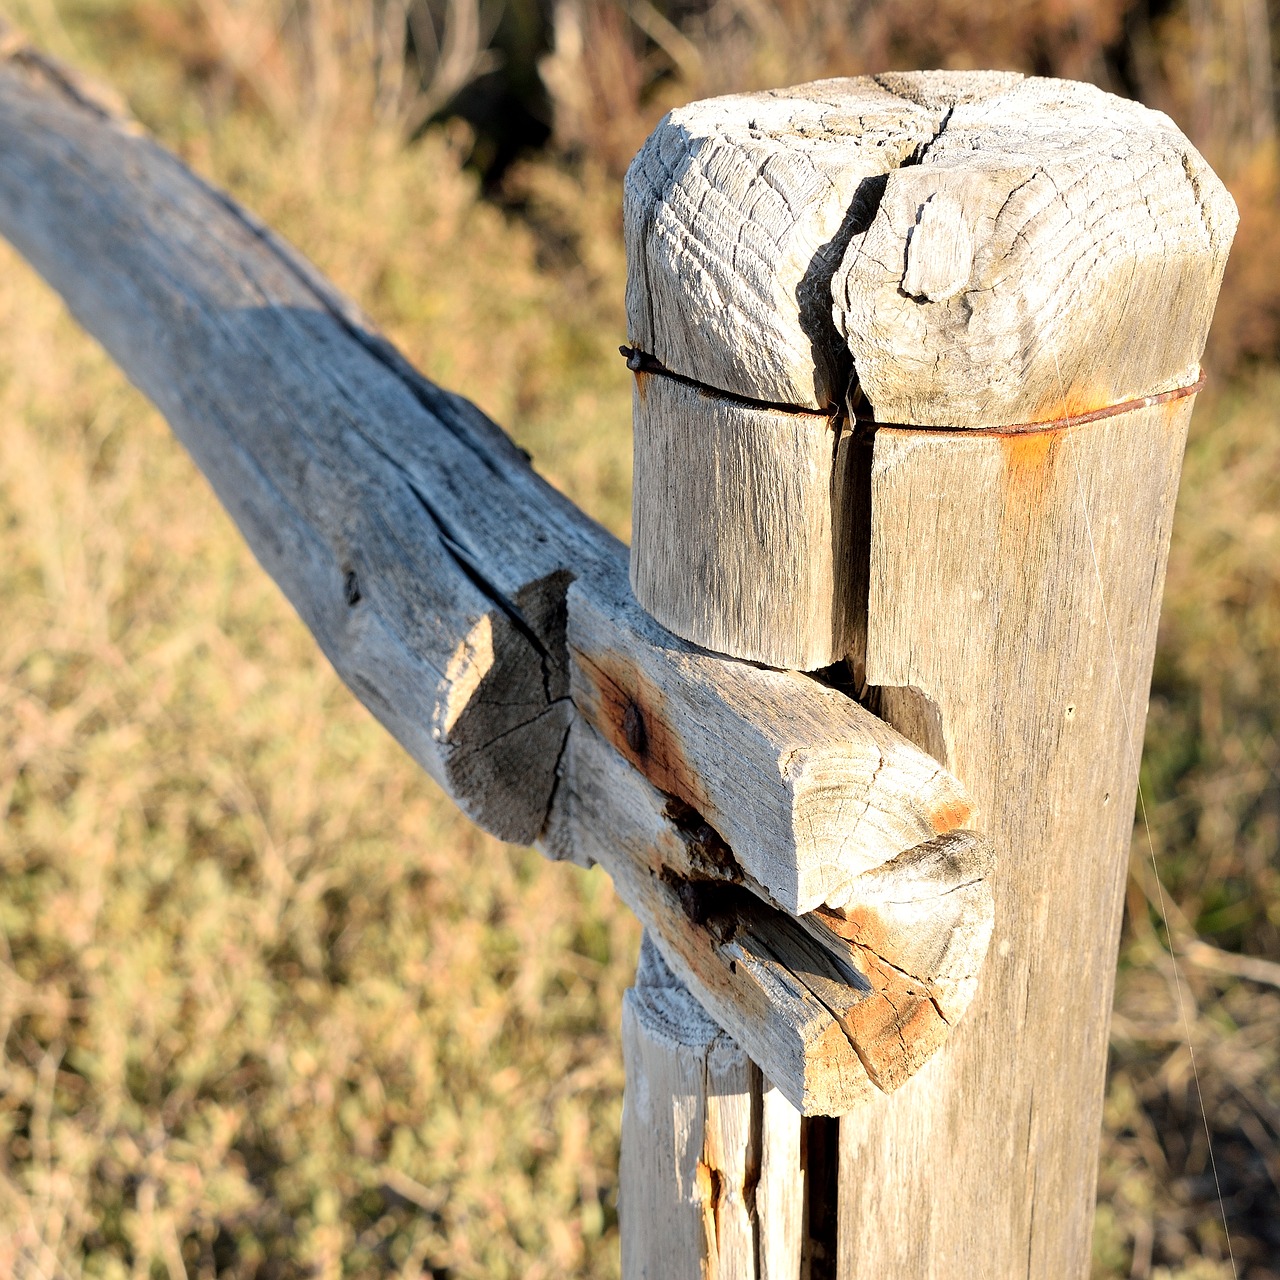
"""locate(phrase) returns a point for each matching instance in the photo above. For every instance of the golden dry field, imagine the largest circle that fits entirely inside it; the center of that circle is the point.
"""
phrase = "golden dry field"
(268, 1006)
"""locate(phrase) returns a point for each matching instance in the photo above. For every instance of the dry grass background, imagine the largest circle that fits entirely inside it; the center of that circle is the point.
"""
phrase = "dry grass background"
(268, 1007)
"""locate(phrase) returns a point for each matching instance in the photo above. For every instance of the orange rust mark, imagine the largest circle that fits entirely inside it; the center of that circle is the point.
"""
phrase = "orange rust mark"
(951, 816)
(898, 1025)
(1028, 465)
(867, 927)
(1066, 416)
(895, 1031)
(858, 923)
(704, 1178)
(642, 383)
(1079, 404)
(834, 919)
(630, 711)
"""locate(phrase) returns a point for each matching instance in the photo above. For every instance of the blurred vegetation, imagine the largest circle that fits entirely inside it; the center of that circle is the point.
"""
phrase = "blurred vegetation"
(268, 1007)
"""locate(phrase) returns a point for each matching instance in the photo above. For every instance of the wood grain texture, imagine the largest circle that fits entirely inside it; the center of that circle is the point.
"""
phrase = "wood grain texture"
(780, 1187)
(736, 212)
(1044, 252)
(941, 219)
(835, 1007)
(383, 506)
(718, 937)
(758, 508)
(807, 787)
(1036, 691)
(917, 931)
(1054, 250)
(698, 1119)
(1010, 251)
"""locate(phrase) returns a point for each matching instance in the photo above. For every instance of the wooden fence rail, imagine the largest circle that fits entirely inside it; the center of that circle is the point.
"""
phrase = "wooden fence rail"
(817, 876)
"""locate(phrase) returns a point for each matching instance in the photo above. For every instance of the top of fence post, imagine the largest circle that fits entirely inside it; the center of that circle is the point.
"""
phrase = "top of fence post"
(960, 250)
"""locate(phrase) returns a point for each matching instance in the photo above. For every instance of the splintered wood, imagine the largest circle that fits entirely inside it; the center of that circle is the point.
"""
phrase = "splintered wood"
(715, 1171)
(837, 1006)
(915, 357)
(959, 249)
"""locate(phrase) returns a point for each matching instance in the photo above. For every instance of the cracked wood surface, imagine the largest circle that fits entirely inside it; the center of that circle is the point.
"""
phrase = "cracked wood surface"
(736, 213)
(837, 1006)
(932, 248)
(705, 1143)
(422, 550)
(1035, 693)
(1041, 251)
(1055, 250)
(759, 506)
(810, 791)
(434, 566)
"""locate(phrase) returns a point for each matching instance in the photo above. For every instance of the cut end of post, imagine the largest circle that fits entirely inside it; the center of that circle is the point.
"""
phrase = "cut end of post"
(959, 246)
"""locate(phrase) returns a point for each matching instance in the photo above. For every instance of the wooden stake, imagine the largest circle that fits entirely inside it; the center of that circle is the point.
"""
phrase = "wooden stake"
(1021, 275)
(700, 1126)
(1035, 693)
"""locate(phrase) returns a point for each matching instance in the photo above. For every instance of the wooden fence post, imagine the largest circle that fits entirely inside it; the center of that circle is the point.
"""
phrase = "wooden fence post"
(915, 359)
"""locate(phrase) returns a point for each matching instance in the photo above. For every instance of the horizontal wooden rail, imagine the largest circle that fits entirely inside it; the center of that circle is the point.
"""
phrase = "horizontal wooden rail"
(474, 610)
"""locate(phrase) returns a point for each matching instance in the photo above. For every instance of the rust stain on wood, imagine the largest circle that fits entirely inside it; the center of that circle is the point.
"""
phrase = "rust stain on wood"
(952, 815)
(630, 712)
(894, 1032)
(898, 1025)
(1029, 458)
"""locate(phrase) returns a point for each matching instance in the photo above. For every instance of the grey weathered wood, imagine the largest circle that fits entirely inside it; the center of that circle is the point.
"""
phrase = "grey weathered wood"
(993, 234)
(784, 484)
(698, 1120)
(780, 1187)
(378, 502)
(917, 931)
(836, 1006)
(690, 1137)
(808, 788)
(1050, 253)
(1045, 225)
(1038, 693)
(414, 539)
(718, 938)
(736, 212)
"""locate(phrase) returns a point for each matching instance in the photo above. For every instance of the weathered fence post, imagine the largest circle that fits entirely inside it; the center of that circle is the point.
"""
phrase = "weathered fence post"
(915, 358)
